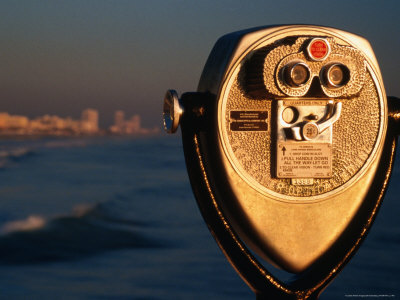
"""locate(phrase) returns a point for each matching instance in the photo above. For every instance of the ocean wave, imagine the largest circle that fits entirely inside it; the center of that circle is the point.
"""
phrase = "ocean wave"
(31, 223)
(14, 155)
(86, 232)
(16, 151)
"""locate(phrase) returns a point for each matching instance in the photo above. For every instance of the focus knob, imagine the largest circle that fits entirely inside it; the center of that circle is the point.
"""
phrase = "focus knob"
(172, 111)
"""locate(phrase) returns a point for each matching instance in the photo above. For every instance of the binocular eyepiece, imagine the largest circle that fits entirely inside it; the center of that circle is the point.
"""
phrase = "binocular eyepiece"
(289, 144)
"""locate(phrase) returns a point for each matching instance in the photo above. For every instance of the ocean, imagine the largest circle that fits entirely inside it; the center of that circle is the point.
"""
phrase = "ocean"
(115, 218)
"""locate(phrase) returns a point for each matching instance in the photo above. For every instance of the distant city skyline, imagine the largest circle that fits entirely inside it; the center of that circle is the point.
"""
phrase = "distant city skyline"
(87, 124)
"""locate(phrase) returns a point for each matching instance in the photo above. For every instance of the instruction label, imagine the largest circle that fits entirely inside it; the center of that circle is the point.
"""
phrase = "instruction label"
(248, 120)
(304, 160)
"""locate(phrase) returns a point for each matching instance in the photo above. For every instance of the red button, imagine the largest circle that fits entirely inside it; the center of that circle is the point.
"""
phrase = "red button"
(318, 49)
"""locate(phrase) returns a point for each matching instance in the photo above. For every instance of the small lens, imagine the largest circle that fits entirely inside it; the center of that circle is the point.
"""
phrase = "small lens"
(296, 74)
(337, 75)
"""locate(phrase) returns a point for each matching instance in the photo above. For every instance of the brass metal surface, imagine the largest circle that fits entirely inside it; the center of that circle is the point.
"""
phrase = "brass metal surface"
(311, 217)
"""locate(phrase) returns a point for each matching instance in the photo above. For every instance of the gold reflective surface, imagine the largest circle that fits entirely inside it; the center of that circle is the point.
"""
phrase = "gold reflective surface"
(290, 224)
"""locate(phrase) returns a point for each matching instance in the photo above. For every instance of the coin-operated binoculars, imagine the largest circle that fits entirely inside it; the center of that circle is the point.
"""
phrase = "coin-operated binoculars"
(289, 144)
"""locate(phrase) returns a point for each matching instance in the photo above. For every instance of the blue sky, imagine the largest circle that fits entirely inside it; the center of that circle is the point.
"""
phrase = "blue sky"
(60, 57)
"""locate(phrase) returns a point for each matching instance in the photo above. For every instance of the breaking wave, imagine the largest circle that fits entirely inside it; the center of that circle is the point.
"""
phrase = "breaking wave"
(14, 155)
(86, 232)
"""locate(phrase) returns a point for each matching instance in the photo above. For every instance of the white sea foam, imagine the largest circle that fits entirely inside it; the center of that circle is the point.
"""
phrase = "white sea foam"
(31, 223)
(35, 222)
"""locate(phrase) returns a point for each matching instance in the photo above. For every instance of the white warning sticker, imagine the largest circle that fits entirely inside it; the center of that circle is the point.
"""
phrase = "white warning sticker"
(304, 160)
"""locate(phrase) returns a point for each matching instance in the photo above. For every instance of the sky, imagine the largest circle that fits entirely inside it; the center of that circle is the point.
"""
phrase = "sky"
(60, 57)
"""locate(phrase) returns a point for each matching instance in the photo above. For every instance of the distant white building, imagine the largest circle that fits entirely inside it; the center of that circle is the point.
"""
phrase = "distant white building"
(13, 122)
(133, 125)
(119, 119)
(122, 126)
(90, 121)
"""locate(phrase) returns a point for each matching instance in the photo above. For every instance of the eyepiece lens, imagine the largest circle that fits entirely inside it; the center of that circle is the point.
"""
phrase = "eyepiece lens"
(337, 75)
(296, 74)
(300, 74)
